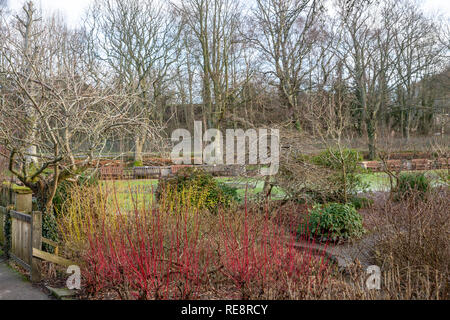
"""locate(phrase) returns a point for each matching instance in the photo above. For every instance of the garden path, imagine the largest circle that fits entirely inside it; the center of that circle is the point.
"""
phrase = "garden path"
(14, 286)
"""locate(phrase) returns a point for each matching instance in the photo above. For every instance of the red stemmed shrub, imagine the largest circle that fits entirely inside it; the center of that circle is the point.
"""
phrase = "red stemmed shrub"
(191, 254)
(152, 256)
(263, 261)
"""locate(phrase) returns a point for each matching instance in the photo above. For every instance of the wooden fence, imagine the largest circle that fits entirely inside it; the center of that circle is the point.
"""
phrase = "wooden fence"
(119, 172)
(23, 241)
(407, 165)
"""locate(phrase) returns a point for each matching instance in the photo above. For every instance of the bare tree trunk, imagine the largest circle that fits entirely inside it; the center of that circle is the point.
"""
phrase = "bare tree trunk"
(26, 30)
(371, 138)
(138, 148)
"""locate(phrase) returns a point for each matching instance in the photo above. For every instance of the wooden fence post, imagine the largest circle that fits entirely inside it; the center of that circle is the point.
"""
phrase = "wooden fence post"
(36, 242)
(23, 200)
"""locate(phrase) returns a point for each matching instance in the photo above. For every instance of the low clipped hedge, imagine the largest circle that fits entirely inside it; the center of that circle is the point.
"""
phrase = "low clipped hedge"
(361, 202)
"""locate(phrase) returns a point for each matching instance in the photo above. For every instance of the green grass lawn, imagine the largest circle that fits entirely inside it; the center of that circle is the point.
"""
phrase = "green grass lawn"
(255, 186)
(379, 181)
(130, 193)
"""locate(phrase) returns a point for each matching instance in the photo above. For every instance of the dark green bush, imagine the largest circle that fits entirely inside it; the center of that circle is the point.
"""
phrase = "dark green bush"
(333, 220)
(61, 195)
(361, 202)
(7, 234)
(229, 192)
(412, 183)
(49, 231)
(195, 188)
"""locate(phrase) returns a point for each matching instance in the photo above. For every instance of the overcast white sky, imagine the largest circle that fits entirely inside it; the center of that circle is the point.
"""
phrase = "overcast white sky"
(73, 9)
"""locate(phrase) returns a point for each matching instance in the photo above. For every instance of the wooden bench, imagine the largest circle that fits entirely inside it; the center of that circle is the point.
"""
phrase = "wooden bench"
(111, 172)
(421, 164)
(394, 164)
(146, 172)
(442, 163)
(372, 165)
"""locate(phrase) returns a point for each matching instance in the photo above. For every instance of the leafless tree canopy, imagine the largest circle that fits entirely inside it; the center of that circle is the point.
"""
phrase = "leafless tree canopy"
(52, 116)
(133, 70)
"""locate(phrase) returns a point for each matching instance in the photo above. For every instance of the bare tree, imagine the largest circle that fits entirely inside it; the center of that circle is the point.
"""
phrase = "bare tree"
(139, 42)
(417, 48)
(365, 49)
(330, 117)
(28, 33)
(285, 33)
(215, 27)
(72, 118)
